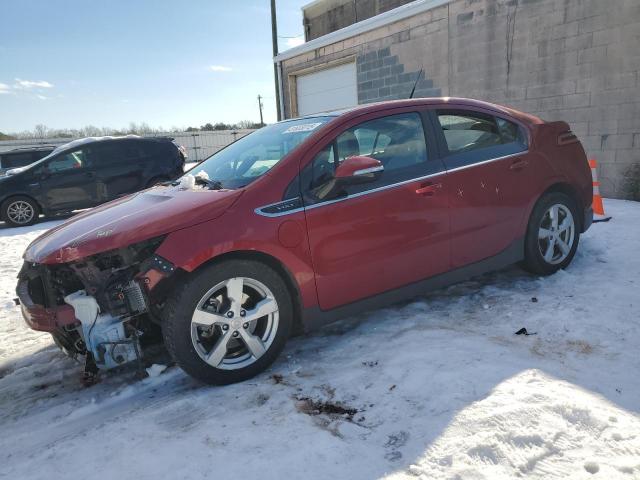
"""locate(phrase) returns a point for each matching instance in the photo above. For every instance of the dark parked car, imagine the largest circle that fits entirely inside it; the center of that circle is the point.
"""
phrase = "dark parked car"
(305, 221)
(22, 157)
(85, 173)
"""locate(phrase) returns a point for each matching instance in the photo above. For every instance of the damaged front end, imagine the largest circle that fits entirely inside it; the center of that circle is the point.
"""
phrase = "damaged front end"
(100, 306)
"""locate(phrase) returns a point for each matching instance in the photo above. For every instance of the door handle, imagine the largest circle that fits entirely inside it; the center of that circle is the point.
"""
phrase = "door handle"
(428, 189)
(519, 164)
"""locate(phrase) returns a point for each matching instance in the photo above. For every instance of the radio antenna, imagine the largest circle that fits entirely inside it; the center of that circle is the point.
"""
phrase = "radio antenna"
(413, 90)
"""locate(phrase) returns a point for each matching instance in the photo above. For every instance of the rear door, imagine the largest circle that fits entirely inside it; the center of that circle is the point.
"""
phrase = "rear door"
(67, 181)
(373, 237)
(478, 156)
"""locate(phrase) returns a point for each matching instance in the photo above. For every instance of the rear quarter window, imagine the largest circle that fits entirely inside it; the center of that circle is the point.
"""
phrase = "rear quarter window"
(151, 149)
(134, 150)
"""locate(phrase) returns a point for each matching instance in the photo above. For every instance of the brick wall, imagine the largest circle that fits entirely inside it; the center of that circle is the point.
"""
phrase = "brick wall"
(572, 60)
(334, 15)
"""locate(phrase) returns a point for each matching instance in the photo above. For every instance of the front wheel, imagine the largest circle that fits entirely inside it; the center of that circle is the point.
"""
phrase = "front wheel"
(553, 234)
(229, 322)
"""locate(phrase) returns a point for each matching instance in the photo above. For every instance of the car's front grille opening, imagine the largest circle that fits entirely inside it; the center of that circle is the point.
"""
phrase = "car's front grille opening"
(37, 291)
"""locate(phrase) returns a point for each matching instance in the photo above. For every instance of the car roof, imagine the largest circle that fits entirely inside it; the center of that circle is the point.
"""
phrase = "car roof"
(28, 149)
(431, 101)
(87, 140)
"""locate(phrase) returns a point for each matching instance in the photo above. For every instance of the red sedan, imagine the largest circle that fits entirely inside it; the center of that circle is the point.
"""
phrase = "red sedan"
(306, 221)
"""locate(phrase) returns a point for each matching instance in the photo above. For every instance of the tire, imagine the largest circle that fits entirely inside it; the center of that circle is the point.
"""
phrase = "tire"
(20, 211)
(549, 246)
(208, 297)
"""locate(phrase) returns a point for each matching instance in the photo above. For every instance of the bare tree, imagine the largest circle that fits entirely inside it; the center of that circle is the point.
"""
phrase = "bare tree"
(41, 131)
(90, 131)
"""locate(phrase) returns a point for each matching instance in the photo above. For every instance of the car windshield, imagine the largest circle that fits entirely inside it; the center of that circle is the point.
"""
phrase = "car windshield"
(252, 156)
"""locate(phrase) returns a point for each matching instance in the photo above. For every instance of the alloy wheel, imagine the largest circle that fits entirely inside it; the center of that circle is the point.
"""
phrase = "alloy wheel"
(556, 234)
(20, 212)
(234, 323)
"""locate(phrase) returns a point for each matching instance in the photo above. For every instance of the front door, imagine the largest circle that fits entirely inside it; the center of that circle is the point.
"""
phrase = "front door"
(68, 182)
(370, 238)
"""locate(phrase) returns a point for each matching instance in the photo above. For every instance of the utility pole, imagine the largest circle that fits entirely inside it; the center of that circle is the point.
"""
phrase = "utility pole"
(260, 107)
(274, 41)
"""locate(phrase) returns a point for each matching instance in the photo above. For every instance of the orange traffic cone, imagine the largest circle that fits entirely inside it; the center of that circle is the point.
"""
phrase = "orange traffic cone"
(597, 205)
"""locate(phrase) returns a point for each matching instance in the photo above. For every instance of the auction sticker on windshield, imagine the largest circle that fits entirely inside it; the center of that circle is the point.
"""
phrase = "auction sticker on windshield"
(305, 127)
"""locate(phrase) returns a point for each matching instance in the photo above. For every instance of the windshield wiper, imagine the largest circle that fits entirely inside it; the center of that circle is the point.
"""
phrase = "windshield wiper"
(212, 184)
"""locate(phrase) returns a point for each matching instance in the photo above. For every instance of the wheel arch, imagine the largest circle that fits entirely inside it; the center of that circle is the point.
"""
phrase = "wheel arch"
(557, 186)
(571, 192)
(271, 262)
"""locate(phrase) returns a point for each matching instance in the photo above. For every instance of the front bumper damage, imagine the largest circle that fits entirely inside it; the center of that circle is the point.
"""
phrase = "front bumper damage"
(100, 306)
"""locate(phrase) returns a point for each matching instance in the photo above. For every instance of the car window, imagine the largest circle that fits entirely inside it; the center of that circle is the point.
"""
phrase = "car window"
(14, 160)
(397, 141)
(67, 161)
(107, 153)
(510, 132)
(468, 131)
(252, 156)
(134, 150)
(472, 137)
(40, 154)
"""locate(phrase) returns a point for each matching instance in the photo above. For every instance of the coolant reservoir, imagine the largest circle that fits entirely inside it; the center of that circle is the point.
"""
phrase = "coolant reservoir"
(85, 307)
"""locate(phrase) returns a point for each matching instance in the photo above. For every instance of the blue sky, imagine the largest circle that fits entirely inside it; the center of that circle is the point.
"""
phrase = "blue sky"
(71, 63)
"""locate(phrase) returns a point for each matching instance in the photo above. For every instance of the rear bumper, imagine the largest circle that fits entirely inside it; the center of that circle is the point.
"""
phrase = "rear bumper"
(40, 317)
(588, 219)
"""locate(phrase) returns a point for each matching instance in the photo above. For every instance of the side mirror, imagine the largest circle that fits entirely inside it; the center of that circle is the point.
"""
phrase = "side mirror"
(358, 169)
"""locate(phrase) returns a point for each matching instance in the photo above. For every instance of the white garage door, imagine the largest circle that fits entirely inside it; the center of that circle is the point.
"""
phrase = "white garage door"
(329, 89)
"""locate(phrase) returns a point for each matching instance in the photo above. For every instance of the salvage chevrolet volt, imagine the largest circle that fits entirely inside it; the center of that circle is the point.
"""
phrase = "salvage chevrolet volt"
(306, 221)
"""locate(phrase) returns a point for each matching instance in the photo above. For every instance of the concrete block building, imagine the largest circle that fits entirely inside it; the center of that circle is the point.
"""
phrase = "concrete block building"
(572, 60)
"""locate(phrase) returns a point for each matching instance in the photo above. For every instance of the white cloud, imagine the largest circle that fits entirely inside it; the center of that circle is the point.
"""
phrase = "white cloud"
(4, 88)
(219, 68)
(295, 41)
(27, 84)
(42, 97)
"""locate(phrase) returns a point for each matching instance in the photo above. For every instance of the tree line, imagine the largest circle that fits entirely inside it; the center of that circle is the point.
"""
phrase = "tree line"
(42, 131)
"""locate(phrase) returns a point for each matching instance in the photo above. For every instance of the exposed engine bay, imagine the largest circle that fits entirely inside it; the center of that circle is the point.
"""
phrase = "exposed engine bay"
(110, 294)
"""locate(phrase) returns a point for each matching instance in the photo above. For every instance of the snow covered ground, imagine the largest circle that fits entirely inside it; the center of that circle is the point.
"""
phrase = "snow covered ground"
(439, 387)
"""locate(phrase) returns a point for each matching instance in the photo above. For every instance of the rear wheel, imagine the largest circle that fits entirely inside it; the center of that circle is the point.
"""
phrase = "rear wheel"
(229, 322)
(20, 211)
(552, 235)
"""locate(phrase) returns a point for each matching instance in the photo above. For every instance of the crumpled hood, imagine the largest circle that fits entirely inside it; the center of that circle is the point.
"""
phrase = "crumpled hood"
(129, 220)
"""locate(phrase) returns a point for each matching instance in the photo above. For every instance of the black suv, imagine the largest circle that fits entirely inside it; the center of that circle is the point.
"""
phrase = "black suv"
(21, 157)
(85, 173)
